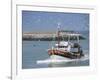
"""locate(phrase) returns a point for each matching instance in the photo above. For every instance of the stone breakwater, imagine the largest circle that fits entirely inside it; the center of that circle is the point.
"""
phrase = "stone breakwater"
(48, 36)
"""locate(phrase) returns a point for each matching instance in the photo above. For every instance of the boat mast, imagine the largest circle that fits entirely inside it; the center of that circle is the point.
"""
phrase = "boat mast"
(78, 38)
(58, 33)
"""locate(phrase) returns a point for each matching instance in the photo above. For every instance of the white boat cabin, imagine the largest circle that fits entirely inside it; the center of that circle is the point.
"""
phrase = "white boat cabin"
(66, 46)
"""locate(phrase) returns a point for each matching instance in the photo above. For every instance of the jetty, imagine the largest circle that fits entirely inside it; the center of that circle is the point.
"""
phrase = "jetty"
(50, 36)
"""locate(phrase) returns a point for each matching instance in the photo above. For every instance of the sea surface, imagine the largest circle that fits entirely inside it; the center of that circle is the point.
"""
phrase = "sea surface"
(35, 55)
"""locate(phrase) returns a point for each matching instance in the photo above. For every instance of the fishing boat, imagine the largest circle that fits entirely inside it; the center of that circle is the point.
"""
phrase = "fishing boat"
(67, 48)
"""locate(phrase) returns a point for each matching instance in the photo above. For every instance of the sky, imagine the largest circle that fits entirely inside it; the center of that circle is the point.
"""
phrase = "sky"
(40, 21)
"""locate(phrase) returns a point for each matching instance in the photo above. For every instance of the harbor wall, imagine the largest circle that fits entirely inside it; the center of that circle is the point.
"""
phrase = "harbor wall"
(50, 36)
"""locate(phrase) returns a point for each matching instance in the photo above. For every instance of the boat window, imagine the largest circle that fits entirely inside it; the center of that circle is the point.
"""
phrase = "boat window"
(74, 49)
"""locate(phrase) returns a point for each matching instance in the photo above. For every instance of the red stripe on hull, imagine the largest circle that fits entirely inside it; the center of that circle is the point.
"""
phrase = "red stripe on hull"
(65, 54)
(56, 52)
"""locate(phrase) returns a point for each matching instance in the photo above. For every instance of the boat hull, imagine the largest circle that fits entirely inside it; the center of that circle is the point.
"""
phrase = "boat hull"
(71, 55)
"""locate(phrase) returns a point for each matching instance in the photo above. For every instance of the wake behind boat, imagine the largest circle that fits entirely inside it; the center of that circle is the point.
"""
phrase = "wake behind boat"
(67, 49)
(56, 59)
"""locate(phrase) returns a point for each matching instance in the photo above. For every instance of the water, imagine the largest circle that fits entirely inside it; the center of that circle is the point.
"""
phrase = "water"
(35, 55)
